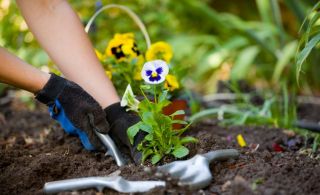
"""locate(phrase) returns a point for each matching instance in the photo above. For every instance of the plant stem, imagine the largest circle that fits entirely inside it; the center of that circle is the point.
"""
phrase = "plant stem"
(155, 93)
(144, 95)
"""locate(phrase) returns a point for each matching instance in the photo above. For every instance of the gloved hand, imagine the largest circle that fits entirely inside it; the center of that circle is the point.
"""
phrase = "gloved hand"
(76, 111)
(120, 121)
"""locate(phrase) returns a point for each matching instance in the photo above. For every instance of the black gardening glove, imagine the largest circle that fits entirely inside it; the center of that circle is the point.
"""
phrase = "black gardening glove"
(120, 121)
(76, 111)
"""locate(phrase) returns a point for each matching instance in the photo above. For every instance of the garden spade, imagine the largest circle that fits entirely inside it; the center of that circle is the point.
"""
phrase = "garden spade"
(107, 142)
(116, 183)
(112, 149)
(195, 172)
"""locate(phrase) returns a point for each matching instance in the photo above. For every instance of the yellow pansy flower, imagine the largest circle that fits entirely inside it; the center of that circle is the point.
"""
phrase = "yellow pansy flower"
(137, 76)
(137, 71)
(99, 55)
(109, 74)
(159, 50)
(122, 46)
(171, 83)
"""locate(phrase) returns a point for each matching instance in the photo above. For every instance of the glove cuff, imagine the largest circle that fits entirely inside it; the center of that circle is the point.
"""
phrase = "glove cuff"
(114, 112)
(51, 89)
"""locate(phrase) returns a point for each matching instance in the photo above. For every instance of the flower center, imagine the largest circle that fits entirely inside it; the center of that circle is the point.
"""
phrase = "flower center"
(154, 74)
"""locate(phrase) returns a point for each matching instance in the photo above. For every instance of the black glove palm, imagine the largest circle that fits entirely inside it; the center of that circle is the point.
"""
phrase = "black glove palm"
(71, 106)
(120, 121)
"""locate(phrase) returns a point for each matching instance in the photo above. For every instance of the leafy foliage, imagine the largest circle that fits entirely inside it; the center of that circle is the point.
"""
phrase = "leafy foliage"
(275, 111)
(210, 38)
(161, 139)
(310, 39)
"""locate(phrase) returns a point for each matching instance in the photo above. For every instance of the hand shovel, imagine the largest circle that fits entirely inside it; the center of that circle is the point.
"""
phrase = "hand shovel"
(108, 143)
(195, 172)
(116, 183)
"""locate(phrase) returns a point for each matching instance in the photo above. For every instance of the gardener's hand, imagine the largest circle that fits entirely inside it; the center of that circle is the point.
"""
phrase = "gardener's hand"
(71, 106)
(120, 121)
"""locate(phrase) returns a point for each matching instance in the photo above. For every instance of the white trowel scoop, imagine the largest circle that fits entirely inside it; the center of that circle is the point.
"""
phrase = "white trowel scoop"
(195, 173)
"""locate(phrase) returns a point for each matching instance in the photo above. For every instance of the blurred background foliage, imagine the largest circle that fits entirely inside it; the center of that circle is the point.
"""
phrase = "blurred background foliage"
(252, 40)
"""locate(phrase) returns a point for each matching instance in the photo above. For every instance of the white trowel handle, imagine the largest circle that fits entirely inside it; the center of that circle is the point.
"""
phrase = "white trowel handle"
(220, 155)
(74, 184)
(116, 183)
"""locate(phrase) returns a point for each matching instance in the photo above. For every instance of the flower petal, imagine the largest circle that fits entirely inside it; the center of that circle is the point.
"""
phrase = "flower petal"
(154, 72)
(159, 70)
(148, 72)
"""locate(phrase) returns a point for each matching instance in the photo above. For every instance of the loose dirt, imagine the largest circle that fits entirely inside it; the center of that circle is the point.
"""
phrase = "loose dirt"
(35, 150)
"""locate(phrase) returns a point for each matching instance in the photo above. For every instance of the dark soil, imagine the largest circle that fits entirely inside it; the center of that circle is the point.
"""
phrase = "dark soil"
(35, 150)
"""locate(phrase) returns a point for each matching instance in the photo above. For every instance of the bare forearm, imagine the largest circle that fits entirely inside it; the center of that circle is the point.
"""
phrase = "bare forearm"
(61, 34)
(14, 71)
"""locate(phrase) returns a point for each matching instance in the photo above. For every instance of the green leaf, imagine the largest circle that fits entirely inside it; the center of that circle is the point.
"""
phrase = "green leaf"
(179, 122)
(188, 139)
(156, 158)
(311, 25)
(315, 143)
(264, 9)
(146, 127)
(244, 62)
(288, 53)
(302, 56)
(178, 112)
(133, 130)
(144, 106)
(204, 114)
(161, 105)
(260, 41)
(145, 87)
(128, 100)
(163, 96)
(149, 137)
(277, 19)
(180, 151)
(146, 154)
(147, 117)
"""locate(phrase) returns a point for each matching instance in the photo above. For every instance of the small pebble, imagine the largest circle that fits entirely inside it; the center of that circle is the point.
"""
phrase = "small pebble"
(225, 186)
(147, 169)
(159, 174)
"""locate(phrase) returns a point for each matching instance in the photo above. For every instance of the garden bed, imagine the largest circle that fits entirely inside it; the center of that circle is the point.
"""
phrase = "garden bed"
(35, 150)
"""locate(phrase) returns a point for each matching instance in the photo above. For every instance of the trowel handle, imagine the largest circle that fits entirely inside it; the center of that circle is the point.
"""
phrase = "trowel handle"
(220, 155)
(74, 184)
(116, 183)
(112, 148)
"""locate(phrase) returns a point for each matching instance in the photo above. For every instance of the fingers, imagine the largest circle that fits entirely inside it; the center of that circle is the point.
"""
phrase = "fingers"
(99, 123)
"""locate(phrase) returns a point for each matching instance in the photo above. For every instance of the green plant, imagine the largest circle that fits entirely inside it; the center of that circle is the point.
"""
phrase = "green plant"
(161, 139)
(277, 111)
(310, 39)
(123, 61)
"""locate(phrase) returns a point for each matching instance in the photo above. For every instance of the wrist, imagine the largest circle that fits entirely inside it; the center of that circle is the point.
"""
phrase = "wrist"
(51, 89)
(43, 79)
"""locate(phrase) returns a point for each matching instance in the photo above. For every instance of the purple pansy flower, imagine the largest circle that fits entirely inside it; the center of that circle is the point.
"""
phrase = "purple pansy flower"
(154, 72)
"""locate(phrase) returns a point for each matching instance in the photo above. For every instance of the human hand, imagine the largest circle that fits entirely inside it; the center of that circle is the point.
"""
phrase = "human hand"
(120, 121)
(75, 110)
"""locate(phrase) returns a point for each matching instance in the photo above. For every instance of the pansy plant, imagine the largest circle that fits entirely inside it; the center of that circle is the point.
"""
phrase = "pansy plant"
(161, 140)
(123, 61)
